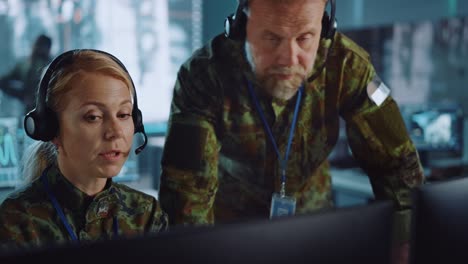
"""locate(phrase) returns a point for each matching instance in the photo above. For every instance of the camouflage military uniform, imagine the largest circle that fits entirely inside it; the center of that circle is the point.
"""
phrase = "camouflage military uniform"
(219, 164)
(28, 217)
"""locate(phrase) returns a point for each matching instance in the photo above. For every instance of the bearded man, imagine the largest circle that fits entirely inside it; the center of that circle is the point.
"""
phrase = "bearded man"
(255, 114)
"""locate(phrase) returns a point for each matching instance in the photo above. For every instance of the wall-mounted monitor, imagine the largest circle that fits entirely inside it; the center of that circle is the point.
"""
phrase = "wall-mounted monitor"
(436, 128)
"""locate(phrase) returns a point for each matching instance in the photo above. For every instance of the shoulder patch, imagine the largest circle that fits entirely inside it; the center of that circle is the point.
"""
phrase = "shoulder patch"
(377, 91)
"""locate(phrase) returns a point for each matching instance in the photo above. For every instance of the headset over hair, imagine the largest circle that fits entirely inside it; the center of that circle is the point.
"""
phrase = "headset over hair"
(235, 24)
(41, 123)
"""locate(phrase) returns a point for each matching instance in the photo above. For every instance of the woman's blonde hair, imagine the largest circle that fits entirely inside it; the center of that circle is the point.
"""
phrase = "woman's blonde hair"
(40, 155)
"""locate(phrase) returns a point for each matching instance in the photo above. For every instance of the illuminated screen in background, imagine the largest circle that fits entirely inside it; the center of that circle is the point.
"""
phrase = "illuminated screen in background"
(8, 152)
(436, 128)
(151, 37)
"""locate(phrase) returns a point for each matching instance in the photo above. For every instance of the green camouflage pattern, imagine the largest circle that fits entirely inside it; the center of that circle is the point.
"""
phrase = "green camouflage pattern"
(29, 219)
(219, 165)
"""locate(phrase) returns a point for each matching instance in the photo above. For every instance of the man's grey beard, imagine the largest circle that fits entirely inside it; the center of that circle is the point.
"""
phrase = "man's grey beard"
(279, 89)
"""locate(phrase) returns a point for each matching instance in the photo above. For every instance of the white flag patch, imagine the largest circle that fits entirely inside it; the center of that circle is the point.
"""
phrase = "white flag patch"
(377, 91)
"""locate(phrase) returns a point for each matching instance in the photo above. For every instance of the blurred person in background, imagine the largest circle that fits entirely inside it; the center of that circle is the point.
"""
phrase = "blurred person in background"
(21, 82)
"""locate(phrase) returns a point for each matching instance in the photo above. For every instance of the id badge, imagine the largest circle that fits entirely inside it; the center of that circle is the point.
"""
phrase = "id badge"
(282, 206)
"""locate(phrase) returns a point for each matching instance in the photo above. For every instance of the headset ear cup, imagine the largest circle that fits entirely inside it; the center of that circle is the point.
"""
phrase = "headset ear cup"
(41, 126)
(235, 26)
(31, 125)
(228, 23)
(138, 121)
(51, 125)
(325, 25)
(328, 26)
(241, 27)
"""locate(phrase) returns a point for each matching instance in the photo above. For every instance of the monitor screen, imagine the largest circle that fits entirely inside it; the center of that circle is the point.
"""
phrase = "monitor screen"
(360, 234)
(9, 152)
(437, 128)
(440, 222)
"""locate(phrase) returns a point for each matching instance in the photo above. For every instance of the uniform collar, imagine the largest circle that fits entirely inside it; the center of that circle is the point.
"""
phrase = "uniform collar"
(72, 198)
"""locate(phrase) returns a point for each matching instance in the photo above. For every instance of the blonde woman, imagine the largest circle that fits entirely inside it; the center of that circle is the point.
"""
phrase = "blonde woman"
(85, 118)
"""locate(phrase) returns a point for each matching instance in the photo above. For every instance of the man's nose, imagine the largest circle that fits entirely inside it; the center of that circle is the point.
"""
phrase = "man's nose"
(288, 54)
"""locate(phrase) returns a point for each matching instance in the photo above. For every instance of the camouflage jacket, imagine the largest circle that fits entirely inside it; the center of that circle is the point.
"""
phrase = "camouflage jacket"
(219, 164)
(29, 219)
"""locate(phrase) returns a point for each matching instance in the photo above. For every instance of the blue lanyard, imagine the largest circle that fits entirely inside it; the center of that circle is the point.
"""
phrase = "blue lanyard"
(58, 209)
(283, 161)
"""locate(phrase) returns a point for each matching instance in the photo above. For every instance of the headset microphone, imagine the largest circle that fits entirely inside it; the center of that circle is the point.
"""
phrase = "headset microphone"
(143, 145)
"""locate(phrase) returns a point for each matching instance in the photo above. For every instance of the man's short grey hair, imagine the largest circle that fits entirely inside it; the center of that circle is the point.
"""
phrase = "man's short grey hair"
(248, 2)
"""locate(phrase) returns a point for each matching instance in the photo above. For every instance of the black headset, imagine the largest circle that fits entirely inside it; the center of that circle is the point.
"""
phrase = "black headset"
(235, 24)
(41, 123)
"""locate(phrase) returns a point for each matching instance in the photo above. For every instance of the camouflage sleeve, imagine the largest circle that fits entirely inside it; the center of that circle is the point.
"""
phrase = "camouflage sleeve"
(380, 143)
(190, 158)
(14, 222)
(159, 220)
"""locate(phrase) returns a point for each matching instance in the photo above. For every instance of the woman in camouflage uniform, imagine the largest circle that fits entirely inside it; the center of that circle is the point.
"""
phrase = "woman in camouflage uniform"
(70, 195)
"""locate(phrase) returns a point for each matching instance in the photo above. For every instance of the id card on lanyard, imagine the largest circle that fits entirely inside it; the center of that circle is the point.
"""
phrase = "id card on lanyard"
(281, 204)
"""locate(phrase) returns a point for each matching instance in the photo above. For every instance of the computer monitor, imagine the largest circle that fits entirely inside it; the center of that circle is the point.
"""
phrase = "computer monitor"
(10, 151)
(437, 128)
(440, 222)
(360, 234)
